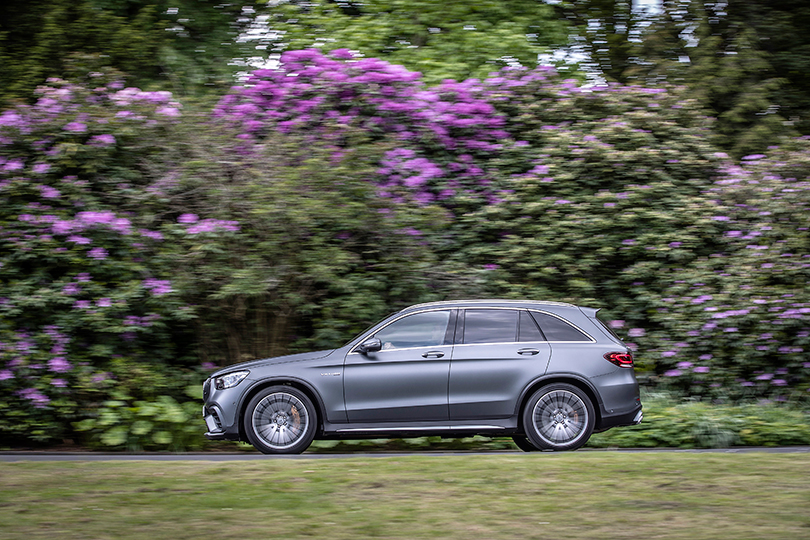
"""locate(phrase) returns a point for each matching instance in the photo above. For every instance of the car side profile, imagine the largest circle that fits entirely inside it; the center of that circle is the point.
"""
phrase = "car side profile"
(548, 374)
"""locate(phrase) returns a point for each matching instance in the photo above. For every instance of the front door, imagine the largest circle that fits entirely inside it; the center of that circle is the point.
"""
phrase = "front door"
(406, 381)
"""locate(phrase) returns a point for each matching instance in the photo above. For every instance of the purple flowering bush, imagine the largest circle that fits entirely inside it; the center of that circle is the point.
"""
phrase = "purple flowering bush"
(154, 243)
(318, 254)
(710, 279)
(83, 262)
(438, 134)
(735, 323)
(139, 244)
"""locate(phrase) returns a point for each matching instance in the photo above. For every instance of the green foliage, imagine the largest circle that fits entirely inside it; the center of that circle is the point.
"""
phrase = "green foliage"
(138, 242)
(137, 406)
(589, 194)
(441, 40)
(163, 424)
(704, 425)
(318, 256)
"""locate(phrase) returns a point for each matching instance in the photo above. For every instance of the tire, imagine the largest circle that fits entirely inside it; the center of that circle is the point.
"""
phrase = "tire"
(280, 420)
(558, 417)
(524, 444)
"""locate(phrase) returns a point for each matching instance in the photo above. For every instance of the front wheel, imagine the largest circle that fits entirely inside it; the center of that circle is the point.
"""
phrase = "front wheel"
(558, 417)
(280, 420)
(524, 444)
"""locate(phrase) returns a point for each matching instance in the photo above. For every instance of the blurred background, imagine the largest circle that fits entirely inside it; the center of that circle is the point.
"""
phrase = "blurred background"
(190, 184)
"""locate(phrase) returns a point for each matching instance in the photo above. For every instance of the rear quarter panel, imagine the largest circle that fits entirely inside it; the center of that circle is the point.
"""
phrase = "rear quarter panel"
(617, 387)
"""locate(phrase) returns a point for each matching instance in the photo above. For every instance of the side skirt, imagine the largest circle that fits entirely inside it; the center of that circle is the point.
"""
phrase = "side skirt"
(493, 428)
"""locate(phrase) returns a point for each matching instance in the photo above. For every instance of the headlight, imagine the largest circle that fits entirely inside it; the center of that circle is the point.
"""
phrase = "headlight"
(230, 380)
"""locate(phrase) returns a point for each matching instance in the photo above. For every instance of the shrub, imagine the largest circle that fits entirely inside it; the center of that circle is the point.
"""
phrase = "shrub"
(135, 240)
(694, 424)
(85, 267)
(734, 323)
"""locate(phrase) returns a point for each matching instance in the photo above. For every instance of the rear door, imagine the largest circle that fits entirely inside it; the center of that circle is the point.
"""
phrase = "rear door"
(498, 351)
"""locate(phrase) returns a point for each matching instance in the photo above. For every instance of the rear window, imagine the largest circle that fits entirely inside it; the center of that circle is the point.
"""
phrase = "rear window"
(490, 325)
(528, 328)
(607, 327)
(556, 329)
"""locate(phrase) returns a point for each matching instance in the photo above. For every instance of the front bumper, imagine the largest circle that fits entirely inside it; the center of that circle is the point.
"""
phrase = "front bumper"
(216, 431)
(213, 423)
(220, 420)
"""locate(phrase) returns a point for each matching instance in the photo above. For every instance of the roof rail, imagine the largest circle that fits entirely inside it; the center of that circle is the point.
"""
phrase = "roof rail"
(490, 300)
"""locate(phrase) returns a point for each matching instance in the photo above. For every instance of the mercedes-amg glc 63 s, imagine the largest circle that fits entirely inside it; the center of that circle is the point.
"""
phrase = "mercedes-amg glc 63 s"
(547, 374)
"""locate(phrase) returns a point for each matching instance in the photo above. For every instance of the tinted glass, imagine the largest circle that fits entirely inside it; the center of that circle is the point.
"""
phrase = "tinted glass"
(607, 328)
(490, 325)
(418, 330)
(528, 328)
(556, 329)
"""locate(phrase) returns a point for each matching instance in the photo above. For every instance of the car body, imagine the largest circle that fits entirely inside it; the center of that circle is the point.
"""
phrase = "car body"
(546, 373)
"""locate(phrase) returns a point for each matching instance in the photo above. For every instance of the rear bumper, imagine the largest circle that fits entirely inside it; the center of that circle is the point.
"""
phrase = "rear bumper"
(630, 418)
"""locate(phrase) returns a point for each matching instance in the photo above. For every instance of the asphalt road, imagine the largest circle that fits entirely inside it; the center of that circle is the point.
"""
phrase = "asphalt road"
(247, 456)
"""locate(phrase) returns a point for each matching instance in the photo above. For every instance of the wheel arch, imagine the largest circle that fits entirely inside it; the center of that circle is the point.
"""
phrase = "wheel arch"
(298, 384)
(571, 379)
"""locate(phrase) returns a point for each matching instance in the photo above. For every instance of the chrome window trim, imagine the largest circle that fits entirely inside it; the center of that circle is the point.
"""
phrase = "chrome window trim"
(464, 309)
(496, 343)
(437, 347)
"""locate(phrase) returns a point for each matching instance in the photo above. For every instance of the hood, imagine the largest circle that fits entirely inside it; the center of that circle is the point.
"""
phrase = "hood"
(275, 360)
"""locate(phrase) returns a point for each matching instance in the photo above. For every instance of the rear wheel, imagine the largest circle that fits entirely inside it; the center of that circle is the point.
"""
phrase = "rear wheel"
(280, 420)
(558, 417)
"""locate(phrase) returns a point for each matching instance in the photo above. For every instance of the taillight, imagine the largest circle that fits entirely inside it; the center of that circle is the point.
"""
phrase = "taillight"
(621, 359)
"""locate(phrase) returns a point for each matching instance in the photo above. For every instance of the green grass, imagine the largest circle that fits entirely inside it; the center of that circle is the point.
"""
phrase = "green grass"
(575, 495)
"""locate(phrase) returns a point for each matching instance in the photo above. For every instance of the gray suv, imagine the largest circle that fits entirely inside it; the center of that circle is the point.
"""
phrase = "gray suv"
(547, 374)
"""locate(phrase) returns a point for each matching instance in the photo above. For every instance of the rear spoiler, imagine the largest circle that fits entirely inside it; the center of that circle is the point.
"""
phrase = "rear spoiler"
(590, 312)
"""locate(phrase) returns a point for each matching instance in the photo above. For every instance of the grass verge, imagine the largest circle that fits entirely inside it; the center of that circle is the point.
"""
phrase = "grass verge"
(574, 495)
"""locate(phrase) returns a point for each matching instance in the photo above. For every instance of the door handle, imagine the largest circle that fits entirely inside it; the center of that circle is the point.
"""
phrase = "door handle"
(531, 352)
(433, 354)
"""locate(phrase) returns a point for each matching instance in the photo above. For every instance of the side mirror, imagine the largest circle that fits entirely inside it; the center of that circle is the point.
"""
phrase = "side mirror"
(370, 345)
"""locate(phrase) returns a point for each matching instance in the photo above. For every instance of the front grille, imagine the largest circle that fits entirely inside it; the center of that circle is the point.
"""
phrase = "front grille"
(206, 390)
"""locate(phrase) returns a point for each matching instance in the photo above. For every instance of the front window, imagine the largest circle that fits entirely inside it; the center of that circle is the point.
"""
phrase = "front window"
(426, 329)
